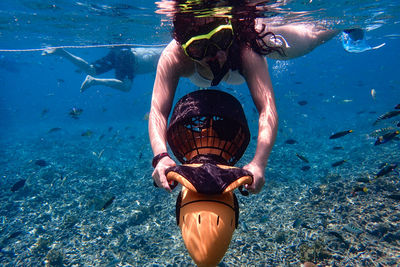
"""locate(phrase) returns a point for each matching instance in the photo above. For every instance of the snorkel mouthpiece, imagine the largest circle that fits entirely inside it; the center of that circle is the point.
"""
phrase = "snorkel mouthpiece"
(218, 72)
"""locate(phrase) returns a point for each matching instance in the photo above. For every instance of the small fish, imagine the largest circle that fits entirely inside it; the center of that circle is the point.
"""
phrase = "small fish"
(290, 141)
(397, 106)
(44, 112)
(359, 189)
(41, 163)
(75, 113)
(352, 229)
(302, 158)
(305, 168)
(302, 103)
(87, 133)
(305, 225)
(363, 180)
(339, 237)
(373, 94)
(55, 129)
(387, 115)
(386, 138)
(98, 155)
(245, 227)
(386, 169)
(382, 165)
(338, 163)
(381, 131)
(297, 223)
(14, 234)
(146, 116)
(18, 185)
(394, 196)
(340, 134)
(338, 148)
(108, 203)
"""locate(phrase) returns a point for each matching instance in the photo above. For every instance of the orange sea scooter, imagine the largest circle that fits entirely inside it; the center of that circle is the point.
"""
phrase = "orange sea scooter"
(208, 133)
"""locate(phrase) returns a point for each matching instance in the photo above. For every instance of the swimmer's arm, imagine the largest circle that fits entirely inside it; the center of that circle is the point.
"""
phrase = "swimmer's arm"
(77, 61)
(255, 70)
(301, 39)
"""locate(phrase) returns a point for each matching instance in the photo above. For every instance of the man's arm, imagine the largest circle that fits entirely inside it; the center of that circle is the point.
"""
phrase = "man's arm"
(255, 70)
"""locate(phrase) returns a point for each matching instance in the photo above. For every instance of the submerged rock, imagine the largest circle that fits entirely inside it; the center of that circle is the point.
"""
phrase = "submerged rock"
(54, 258)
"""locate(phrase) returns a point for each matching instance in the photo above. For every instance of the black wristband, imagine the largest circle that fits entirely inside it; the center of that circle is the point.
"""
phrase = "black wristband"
(158, 157)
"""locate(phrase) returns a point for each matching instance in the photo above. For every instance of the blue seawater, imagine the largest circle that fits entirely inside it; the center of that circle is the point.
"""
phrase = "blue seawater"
(56, 218)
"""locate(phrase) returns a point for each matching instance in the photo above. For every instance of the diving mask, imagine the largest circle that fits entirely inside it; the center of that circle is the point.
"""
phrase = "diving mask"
(200, 46)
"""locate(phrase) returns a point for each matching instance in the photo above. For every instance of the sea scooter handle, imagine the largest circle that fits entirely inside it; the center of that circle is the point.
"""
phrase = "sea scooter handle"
(209, 179)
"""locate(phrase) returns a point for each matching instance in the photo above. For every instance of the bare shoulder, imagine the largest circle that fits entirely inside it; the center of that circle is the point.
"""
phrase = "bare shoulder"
(174, 57)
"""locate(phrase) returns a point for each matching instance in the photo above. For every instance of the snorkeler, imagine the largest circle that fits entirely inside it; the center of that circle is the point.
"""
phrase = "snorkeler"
(126, 61)
(230, 47)
(209, 50)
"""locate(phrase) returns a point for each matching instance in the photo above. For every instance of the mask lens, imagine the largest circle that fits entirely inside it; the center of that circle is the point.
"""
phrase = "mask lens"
(223, 39)
(197, 49)
(212, 50)
(207, 45)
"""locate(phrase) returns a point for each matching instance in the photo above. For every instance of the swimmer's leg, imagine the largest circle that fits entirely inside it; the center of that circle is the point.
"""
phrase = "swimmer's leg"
(77, 61)
(88, 82)
(124, 85)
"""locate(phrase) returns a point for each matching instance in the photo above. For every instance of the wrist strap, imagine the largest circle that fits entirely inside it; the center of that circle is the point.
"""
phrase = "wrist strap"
(158, 157)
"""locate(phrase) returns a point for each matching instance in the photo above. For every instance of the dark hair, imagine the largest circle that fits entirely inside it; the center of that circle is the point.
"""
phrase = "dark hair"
(187, 24)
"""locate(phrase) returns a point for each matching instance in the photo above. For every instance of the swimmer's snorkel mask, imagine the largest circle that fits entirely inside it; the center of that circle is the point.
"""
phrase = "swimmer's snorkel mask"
(201, 46)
